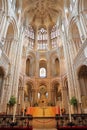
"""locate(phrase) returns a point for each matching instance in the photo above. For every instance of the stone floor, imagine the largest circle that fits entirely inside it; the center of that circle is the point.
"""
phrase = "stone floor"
(45, 129)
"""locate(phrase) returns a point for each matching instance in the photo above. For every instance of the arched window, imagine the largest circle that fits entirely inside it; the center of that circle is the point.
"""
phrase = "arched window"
(42, 39)
(39, 95)
(55, 37)
(42, 72)
(29, 33)
(46, 94)
(27, 67)
(57, 67)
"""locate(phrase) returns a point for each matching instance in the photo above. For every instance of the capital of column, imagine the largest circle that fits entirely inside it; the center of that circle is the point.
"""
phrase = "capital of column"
(76, 19)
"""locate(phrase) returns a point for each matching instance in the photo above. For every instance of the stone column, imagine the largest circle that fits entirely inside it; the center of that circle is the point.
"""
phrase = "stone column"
(36, 94)
(68, 57)
(73, 49)
(48, 66)
(12, 67)
(35, 37)
(49, 38)
(22, 104)
(70, 72)
(37, 64)
(17, 69)
(1, 15)
(3, 24)
(53, 96)
(49, 94)
(53, 67)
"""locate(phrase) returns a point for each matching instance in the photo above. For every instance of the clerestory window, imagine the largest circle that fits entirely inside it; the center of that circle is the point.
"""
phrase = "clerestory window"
(42, 72)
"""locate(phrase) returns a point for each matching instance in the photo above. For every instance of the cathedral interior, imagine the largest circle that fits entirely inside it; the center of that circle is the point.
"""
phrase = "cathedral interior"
(43, 56)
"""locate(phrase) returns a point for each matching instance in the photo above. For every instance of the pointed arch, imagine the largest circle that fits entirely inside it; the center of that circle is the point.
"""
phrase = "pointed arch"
(9, 39)
(74, 37)
(11, 36)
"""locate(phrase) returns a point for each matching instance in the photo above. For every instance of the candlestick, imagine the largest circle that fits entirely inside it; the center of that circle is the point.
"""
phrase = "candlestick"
(23, 110)
(14, 111)
(70, 118)
(60, 108)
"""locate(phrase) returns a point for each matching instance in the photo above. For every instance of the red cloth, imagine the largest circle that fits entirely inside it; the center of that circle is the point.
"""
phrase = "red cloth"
(57, 110)
(16, 128)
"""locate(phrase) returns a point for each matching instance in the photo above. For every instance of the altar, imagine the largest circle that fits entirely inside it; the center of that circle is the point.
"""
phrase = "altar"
(46, 111)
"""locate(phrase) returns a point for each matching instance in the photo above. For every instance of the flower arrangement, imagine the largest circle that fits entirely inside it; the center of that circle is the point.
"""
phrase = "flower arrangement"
(73, 101)
(12, 101)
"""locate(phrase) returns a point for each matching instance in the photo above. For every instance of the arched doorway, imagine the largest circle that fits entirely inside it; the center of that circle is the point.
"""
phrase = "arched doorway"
(82, 76)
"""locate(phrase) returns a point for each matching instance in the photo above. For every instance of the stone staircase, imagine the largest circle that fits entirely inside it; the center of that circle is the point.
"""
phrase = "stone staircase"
(44, 123)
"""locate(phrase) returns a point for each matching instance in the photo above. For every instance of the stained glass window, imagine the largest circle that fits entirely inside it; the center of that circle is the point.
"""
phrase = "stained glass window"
(42, 39)
(29, 33)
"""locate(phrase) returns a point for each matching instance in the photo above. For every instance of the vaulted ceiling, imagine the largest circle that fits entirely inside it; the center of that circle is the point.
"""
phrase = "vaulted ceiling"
(42, 12)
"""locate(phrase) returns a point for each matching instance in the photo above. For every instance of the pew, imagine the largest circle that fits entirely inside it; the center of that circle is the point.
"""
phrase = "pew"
(72, 128)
